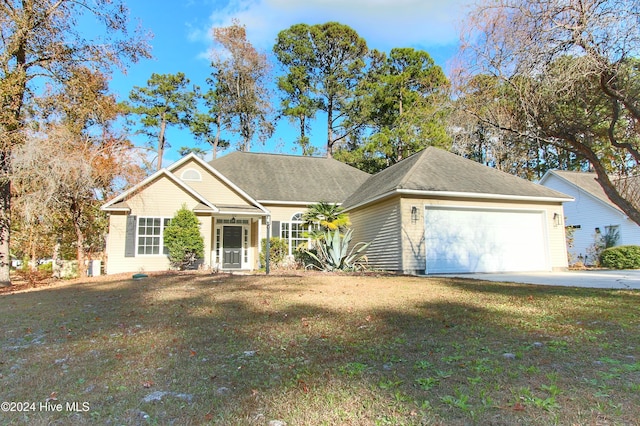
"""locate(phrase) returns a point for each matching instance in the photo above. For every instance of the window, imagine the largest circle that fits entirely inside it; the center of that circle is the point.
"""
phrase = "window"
(611, 235)
(150, 235)
(294, 232)
(191, 174)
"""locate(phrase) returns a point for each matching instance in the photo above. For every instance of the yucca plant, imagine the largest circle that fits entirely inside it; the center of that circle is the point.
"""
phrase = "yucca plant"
(333, 253)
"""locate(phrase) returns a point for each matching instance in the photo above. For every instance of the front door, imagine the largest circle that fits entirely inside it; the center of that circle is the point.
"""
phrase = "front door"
(232, 247)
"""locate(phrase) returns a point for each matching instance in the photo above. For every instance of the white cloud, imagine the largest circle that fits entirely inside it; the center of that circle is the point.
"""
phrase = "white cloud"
(382, 23)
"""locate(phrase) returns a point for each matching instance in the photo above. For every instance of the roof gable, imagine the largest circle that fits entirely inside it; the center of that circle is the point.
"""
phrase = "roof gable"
(290, 178)
(117, 203)
(434, 172)
(586, 182)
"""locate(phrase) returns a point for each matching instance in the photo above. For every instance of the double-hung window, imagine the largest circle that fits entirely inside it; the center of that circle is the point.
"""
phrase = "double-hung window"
(151, 235)
(294, 232)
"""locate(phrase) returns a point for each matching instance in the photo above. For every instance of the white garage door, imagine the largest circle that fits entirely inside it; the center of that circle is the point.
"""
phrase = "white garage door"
(484, 240)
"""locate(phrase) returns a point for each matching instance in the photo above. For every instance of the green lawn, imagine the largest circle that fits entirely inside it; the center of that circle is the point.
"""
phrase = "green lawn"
(319, 350)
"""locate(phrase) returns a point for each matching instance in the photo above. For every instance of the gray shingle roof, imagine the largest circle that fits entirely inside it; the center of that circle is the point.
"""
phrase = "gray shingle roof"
(289, 177)
(436, 170)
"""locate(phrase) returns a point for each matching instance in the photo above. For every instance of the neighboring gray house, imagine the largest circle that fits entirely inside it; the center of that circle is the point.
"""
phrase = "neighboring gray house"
(436, 212)
(432, 212)
(591, 215)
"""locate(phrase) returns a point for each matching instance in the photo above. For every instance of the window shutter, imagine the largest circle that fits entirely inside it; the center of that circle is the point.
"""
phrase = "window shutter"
(130, 237)
(275, 228)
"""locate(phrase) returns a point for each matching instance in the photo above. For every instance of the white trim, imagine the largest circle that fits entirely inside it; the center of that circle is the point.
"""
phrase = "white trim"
(120, 209)
(137, 241)
(290, 224)
(451, 194)
(155, 176)
(168, 172)
(215, 260)
(578, 188)
(192, 170)
(215, 172)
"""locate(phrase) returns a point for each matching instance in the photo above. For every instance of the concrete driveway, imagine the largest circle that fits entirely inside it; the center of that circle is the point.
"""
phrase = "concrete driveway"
(622, 279)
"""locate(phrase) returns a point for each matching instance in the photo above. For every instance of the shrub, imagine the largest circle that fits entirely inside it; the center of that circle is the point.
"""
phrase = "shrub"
(183, 239)
(278, 250)
(46, 267)
(621, 257)
(333, 252)
(307, 258)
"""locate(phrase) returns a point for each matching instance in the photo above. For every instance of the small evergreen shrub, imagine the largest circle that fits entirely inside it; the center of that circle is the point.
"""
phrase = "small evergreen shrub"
(183, 239)
(278, 250)
(621, 257)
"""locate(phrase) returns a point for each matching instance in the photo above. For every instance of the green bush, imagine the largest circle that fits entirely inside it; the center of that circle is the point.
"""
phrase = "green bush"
(278, 250)
(621, 257)
(46, 267)
(306, 258)
(183, 239)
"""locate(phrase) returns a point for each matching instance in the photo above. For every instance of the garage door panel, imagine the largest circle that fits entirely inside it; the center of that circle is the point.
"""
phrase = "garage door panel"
(483, 240)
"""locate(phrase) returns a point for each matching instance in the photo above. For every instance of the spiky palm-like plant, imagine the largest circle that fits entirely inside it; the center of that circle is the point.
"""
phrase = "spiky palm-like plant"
(326, 216)
(333, 253)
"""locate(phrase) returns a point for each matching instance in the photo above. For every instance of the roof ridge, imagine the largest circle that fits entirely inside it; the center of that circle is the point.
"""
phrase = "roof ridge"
(406, 175)
(277, 154)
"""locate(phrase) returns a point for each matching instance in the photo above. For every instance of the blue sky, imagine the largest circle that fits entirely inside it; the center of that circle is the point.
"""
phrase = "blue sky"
(182, 40)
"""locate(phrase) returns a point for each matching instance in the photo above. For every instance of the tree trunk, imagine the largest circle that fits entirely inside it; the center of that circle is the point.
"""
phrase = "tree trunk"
(5, 220)
(163, 128)
(76, 217)
(57, 263)
(330, 129)
(216, 141)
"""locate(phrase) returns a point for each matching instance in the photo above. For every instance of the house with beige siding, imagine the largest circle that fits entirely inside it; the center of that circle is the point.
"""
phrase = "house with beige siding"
(239, 199)
(434, 212)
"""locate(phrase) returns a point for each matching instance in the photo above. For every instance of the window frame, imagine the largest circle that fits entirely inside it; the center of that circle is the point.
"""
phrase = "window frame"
(295, 225)
(197, 175)
(162, 249)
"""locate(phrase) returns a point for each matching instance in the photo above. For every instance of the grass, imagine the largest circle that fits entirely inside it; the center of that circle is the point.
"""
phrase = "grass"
(320, 350)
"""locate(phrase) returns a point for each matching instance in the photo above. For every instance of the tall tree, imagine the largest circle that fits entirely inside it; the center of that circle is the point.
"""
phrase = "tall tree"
(166, 100)
(332, 57)
(571, 69)
(208, 126)
(66, 169)
(62, 173)
(298, 104)
(42, 39)
(405, 99)
(241, 79)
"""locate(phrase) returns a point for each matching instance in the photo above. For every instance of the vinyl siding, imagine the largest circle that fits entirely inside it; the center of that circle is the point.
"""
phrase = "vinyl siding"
(161, 198)
(210, 187)
(590, 213)
(379, 224)
(413, 244)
